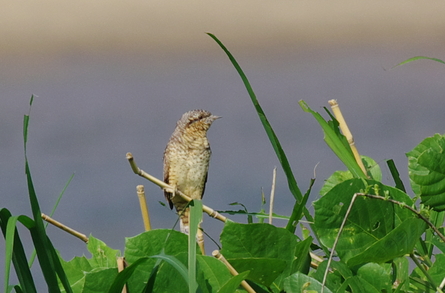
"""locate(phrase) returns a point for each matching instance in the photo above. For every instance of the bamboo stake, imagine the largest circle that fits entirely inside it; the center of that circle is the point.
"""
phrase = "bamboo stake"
(232, 270)
(65, 228)
(144, 210)
(200, 240)
(120, 267)
(164, 185)
(346, 132)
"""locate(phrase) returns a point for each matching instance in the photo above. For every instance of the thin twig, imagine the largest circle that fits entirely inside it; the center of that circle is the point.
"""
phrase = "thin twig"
(272, 194)
(336, 241)
(65, 228)
(232, 270)
(144, 210)
(404, 205)
(212, 213)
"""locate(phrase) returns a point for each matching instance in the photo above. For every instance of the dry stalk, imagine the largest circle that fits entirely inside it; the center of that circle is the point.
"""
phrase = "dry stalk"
(163, 185)
(121, 265)
(144, 210)
(65, 228)
(346, 132)
(232, 270)
(272, 194)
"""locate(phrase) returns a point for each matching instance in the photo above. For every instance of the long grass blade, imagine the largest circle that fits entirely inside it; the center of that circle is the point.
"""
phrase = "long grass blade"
(15, 252)
(293, 186)
(195, 220)
(395, 175)
(47, 256)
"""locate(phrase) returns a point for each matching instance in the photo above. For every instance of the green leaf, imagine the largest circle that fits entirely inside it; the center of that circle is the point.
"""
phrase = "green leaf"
(336, 178)
(437, 271)
(150, 243)
(375, 230)
(401, 272)
(338, 272)
(299, 282)
(76, 270)
(339, 176)
(99, 280)
(377, 275)
(336, 141)
(372, 168)
(213, 275)
(426, 165)
(102, 255)
(278, 251)
(102, 265)
(231, 285)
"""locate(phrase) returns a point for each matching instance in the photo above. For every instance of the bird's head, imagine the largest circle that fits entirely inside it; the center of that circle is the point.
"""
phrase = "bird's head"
(198, 120)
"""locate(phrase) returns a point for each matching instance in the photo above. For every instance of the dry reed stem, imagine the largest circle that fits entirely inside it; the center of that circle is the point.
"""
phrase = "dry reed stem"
(346, 132)
(144, 209)
(65, 228)
(232, 270)
(212, 213)
(272, 194)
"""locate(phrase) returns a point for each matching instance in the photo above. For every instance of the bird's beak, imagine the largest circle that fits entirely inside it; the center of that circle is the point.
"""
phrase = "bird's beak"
(214, 117)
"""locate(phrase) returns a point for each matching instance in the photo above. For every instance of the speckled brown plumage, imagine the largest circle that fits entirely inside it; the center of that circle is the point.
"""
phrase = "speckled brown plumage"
(186, 160)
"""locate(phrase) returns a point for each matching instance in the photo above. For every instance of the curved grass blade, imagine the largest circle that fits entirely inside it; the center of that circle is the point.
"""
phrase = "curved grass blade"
(15, 252)
(419, 58)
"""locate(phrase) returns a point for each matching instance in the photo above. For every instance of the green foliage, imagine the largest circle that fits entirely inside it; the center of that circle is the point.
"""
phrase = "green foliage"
(427, 171)
(376, 231)
(371, 229)
(269, 253)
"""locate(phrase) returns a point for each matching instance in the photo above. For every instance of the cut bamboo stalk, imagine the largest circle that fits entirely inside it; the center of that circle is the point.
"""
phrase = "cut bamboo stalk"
(144, 209)
(120, 267)
(65, 228)
(346, 132)
(272, 194)
(232, 270)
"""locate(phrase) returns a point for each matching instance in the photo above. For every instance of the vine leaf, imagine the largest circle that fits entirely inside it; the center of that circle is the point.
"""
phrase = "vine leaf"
(426, 165)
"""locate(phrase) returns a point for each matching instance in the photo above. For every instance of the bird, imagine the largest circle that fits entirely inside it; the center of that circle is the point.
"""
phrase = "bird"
(186, 161)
